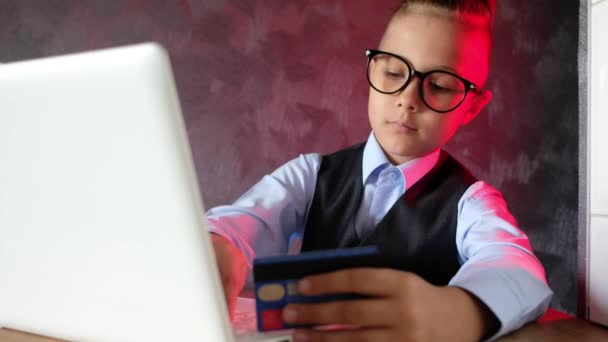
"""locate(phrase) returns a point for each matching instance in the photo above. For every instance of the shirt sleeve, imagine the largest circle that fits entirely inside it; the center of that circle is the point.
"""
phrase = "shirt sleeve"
(262, 221)
(498, 265)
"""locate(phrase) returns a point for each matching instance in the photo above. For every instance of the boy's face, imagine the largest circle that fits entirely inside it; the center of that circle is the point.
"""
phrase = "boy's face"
(403, 125)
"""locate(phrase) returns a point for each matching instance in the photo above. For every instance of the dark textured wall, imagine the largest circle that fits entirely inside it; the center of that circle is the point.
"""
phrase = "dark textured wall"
(264, 80)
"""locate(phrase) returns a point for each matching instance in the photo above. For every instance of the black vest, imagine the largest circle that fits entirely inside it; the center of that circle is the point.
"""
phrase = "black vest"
(418, 233)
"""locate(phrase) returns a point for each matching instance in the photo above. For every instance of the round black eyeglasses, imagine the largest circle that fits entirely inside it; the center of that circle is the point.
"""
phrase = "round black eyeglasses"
(442, 91)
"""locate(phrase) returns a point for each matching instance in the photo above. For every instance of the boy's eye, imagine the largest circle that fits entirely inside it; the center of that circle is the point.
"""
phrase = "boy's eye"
(445, 84)
(437, 87)
(394, 74)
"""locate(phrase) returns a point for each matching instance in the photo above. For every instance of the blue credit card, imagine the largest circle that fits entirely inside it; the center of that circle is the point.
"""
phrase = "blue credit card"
(276, 279)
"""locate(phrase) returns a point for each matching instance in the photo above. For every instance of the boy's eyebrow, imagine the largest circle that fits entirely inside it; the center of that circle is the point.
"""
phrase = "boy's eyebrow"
(435, 67)
(444, 67)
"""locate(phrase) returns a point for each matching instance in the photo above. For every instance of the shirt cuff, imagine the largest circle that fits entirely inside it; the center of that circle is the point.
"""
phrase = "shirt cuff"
(513, 295)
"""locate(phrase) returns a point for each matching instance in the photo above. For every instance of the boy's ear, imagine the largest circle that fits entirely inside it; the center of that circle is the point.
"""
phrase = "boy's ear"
(478, 102)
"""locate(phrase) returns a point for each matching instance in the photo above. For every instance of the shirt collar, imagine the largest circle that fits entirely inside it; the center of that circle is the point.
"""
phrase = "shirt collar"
(413, 170)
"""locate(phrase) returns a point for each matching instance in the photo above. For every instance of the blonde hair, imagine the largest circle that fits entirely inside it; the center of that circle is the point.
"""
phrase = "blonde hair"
(477, 14)
(482, 9)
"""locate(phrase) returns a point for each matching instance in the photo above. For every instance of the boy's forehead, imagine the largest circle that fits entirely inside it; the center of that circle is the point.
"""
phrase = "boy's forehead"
(430, 41)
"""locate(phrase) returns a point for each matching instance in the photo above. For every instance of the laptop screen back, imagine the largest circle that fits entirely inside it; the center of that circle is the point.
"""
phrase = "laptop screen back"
(102, 230)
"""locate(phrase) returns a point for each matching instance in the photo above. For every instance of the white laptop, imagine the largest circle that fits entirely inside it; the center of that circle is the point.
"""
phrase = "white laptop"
(102, 228)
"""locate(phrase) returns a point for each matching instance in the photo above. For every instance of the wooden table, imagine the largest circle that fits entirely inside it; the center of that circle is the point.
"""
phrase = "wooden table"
(568, 330)
(553, 327)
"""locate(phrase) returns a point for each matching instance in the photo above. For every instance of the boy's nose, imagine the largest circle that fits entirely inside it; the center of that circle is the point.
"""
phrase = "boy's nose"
(409, 97)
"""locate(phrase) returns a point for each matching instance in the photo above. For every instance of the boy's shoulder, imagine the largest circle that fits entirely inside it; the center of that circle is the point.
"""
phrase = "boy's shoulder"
(353, 156)
(345, 156)
(458, 166)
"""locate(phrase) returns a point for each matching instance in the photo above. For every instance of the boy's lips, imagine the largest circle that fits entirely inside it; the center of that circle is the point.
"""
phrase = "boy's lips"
(402, 126)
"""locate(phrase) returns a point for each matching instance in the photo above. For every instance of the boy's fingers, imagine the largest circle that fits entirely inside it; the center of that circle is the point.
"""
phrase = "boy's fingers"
(343, 335)
(367, 313)
(365, 281)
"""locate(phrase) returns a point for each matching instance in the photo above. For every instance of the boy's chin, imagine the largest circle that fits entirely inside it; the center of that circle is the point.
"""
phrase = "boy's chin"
(401, 149)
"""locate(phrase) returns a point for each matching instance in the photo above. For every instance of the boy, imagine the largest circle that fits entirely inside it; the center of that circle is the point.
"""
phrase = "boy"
(471, 272)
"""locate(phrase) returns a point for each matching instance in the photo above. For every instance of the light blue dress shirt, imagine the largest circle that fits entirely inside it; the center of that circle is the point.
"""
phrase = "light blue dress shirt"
(498, 265)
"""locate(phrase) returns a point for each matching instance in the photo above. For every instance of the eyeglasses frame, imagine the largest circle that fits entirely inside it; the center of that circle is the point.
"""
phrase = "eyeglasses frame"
(469, 86)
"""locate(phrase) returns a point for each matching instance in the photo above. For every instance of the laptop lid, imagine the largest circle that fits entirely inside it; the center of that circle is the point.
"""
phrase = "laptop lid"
(102, 230)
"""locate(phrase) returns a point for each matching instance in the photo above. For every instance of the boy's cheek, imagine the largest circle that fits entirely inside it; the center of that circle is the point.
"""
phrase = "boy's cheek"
(376, 99)
(378, 113)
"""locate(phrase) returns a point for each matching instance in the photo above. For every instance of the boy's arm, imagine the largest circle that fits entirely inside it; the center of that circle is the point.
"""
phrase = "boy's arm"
(500, 286)
(262, 221)
(499, 267)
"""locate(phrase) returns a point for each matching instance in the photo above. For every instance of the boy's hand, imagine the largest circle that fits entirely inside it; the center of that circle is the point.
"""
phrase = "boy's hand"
(232, 265)
(403, 307)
